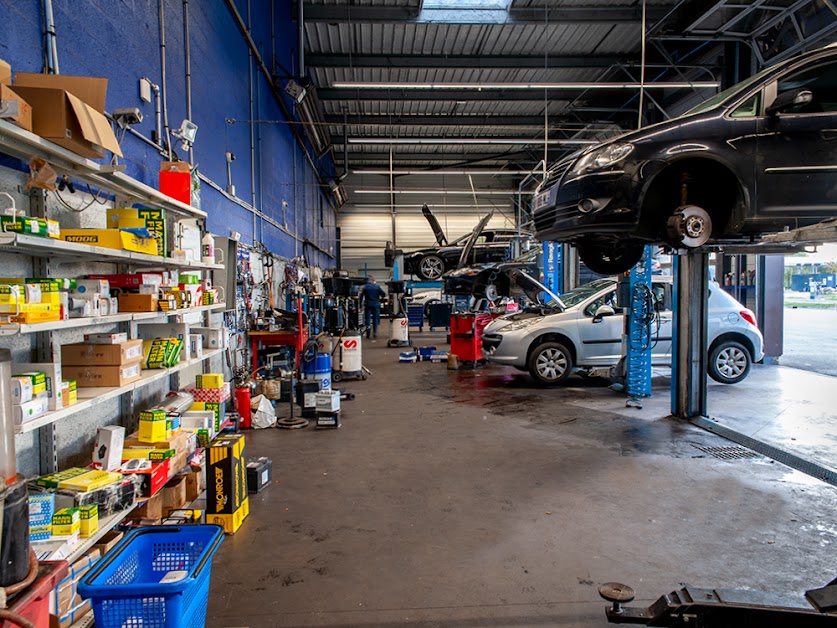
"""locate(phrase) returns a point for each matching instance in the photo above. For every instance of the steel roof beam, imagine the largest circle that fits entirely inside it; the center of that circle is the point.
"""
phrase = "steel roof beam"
(463, 61)
(334, 14)
(567, 119)
(464, 95)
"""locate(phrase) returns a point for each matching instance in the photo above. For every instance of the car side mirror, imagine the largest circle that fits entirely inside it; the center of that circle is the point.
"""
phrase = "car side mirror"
(604, 310)
(789, 100)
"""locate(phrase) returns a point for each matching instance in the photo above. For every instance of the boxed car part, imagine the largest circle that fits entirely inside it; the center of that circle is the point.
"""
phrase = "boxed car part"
(108, 541)
(213, 338)
(53, 376)
(41, 509)
(66, 522)
(153, 219)
(106, 339)
(152, 476)
(117, 239)
(152, 426)
(226, 480)
(21, 389)
(161, 352)
(30, 410)
(259, 474)
(102, 354)
(69, 111)
(65, 602)
(129, 302)
(89, 520)
(209, 380)
(38, 379)
(174, 495)
(219, 409)
(107, 452)
(89, 481)
(30, 226)
(69, 392)
(100, 286)
(196, 345)
(112, 376)
(109, 499)
(23, 117)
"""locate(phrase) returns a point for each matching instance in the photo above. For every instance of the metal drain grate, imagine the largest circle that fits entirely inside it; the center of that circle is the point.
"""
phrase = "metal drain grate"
(729, 453)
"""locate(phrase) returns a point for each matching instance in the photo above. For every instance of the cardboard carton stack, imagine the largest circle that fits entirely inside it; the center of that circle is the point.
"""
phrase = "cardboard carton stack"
(103, 361)
(23, 115)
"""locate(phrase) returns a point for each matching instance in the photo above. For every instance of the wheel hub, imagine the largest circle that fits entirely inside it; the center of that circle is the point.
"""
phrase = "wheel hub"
(690, 226)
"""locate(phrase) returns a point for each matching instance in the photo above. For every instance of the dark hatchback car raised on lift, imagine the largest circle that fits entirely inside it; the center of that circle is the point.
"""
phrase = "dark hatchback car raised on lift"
(755, 159)
(492, 245)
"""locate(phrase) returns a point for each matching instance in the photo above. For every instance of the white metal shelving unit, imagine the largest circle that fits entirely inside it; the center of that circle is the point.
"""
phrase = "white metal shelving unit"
(24, 145)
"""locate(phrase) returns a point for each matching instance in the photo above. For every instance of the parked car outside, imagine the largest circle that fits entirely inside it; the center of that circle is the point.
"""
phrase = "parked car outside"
(490, 245)
(754, 159)
(583, 329)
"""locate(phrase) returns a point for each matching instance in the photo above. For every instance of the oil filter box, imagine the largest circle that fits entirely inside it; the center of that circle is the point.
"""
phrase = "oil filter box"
(259, 474)
(226, 481)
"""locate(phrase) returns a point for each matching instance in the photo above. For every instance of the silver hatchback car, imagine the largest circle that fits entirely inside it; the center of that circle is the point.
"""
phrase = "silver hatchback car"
(552, 341)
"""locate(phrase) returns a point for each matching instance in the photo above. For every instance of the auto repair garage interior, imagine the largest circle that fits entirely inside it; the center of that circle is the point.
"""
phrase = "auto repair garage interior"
(451, 313)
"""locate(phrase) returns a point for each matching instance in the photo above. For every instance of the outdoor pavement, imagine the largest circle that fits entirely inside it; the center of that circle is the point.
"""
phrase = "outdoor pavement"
(811, 340)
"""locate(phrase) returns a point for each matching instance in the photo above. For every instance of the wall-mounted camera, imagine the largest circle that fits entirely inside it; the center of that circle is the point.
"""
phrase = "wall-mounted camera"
(127, 116)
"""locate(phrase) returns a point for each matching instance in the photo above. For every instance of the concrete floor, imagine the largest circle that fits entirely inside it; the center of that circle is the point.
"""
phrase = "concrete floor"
(474, 498)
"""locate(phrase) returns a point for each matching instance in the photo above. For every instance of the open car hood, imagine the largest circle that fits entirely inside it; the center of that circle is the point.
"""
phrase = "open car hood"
(532, 287)
(441, 240)
(475, 234)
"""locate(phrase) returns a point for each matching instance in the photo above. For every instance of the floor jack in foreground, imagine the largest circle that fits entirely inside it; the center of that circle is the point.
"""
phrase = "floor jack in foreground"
(724, 608)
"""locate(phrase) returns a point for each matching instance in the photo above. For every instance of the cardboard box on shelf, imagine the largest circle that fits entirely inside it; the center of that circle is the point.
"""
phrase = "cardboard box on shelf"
(152, 427)
(117, 239)
(220, 410)
(107, 452)
(174, 495)
(66, 522)
(23, 117)
(65, 602)
(152, 478)
(193, 485)
(153, 219)
(53, 376)
(100, 354)
(213, 338)
(161, 352)
(213, 395)
(151, 508)
(21, 389)
(129, 302)
(109, 376)
(108, 541)
(30, 226)
(89, 481)
(109, 499)
(209, 380)
(5, 73)
(69, 110)
(131, 281)
(147, 453)
(69, 392)
(41, 509)
(106, 339)
(38, 379)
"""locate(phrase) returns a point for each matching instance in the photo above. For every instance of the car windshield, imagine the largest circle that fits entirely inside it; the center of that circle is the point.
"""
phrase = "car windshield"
(720, 97)
(583, 292)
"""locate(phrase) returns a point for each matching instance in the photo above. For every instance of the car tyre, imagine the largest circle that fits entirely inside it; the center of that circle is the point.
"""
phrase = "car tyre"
(609, 257)
(430, 268)
(729, 362)
(550, 363)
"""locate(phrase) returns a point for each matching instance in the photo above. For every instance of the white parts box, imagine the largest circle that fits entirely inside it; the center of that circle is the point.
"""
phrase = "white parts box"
(21, 390)
(213, 337)
(196, 345)
(30, 410)
(107, 453)
(328, 401)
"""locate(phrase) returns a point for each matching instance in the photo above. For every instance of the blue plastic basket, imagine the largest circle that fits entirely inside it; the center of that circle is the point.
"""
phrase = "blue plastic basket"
(125, 589)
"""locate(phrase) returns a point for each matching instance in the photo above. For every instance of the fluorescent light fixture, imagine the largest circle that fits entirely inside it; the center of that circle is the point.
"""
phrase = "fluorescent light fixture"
(488, 140)
(524, 86)
(444, 192)
(444, 172)
(431, 205)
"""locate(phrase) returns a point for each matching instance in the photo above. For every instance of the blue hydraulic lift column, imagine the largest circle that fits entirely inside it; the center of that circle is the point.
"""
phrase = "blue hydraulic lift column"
(553, 267)
(638, 329)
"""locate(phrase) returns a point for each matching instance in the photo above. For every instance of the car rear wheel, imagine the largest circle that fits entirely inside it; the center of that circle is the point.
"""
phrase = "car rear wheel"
(729, 362)
(609, 256)
(550, 363)
(430, 267)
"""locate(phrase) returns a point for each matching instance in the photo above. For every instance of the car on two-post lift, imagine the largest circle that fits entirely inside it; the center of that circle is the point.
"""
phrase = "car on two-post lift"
(758, 158)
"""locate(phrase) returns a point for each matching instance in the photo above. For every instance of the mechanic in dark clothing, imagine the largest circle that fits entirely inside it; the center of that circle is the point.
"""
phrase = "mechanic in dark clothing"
(371, 295)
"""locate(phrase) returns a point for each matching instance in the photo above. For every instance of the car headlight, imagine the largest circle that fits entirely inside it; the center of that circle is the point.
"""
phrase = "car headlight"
(601, 158)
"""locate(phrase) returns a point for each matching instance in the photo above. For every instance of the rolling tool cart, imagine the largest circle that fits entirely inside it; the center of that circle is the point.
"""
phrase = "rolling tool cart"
(466, 336)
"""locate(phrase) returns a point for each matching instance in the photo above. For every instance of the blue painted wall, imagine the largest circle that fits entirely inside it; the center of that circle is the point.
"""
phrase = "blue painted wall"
(120, 40)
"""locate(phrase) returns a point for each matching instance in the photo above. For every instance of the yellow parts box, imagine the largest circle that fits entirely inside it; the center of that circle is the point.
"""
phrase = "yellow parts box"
(210, 380)
(89, 519)
(231, 522)
(66, 522)
(89, 481)
(102, 355)
(37, 379)
(147, 453)
(111, 239)
(152, 431)
(153, 219)
(52, 480)
(226, 479)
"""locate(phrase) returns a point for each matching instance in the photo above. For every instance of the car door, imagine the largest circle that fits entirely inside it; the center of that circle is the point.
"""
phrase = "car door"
(601, 339)
(797, 149)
